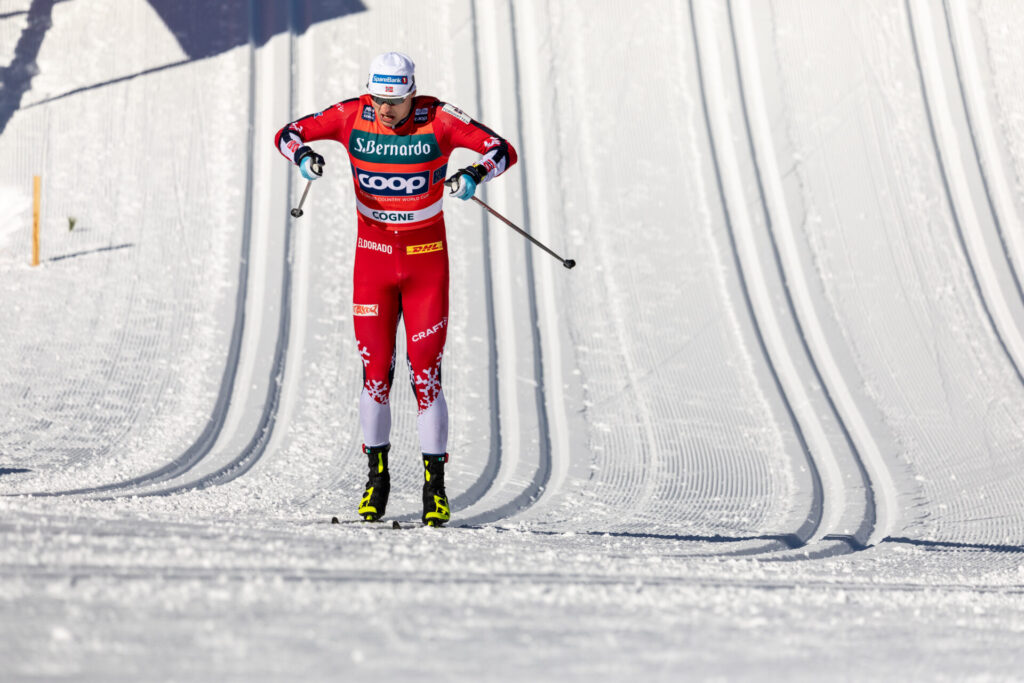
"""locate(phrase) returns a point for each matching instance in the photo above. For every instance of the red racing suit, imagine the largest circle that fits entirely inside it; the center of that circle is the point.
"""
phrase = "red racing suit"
(401, 256)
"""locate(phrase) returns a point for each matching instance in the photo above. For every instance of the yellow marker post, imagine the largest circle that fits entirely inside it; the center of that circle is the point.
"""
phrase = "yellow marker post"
(36, 181)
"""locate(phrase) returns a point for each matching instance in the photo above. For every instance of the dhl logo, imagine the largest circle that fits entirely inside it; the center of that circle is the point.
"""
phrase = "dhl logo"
(364, 309)
(413, 249)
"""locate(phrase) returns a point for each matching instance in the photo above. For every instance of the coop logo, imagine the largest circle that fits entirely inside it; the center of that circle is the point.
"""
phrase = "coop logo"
(364, 310)
(392, 80)
(374, 246)
(419, 336)
(393, 184)
(414, 249)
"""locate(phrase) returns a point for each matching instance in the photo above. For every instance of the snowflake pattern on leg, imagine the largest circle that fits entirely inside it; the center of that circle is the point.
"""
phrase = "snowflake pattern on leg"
(378, 391)
(364, 354)
(428, 385)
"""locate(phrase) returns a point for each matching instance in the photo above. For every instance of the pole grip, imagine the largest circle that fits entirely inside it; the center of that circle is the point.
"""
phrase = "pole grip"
(36, 185)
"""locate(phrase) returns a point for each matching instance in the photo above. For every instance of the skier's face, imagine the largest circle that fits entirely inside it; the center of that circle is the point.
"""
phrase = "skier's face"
(393, 114)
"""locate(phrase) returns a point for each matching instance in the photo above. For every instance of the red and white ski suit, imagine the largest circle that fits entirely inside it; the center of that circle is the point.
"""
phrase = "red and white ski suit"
(401, 258)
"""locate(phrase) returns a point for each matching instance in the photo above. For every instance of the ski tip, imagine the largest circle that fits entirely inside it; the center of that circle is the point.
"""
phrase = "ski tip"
(334, 520)
(395, 524)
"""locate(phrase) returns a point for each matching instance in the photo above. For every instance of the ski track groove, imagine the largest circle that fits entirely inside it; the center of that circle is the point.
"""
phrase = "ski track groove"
(476, 491)
(998, 200)
(257, 445)
(532, 492)
(806, 426)
(880, 492)
(208, 437)
(654, 477)
(983, 143)
(955, 186)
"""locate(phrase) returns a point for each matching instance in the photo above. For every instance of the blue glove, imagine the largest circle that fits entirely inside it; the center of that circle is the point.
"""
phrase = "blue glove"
(463, 183)
(311, 165)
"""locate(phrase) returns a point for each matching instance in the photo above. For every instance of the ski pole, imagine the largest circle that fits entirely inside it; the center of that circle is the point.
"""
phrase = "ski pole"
(297, 211)
(567, 262)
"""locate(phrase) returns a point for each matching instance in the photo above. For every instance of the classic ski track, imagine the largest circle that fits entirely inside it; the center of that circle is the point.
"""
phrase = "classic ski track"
(257, 445)
(478, 489)
(878, 514)
(806, 424)
(998, 190)
(656, 478)
(997, 186)
(532, 493)
(264, 430)
(955, 185)
(208, 437)
(954, 167)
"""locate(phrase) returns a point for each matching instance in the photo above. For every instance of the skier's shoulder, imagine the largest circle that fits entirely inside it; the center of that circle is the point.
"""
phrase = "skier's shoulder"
(452, 113)
(424, 108)
(332, 113)
(344, 107)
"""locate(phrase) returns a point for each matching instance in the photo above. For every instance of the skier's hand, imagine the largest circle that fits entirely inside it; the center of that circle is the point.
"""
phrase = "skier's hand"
(463, 183)
(311, 164)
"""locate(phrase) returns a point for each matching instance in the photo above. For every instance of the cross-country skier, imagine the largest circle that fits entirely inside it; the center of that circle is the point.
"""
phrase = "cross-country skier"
(398, 145)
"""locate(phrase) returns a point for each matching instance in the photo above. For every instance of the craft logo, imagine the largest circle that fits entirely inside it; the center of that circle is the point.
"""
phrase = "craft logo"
(364, 309)
(393, 184)
(414, 249)
(430, 330)
(393, 80)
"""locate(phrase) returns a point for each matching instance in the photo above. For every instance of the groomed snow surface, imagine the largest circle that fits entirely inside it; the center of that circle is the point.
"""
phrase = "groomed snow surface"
(770, 427)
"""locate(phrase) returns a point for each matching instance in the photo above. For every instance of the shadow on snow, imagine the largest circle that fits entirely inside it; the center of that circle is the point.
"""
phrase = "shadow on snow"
(202, 30)
(955, 545)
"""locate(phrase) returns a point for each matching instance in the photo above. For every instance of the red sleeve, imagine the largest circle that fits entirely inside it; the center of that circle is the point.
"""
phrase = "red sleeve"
(459, 130)
(333, 123)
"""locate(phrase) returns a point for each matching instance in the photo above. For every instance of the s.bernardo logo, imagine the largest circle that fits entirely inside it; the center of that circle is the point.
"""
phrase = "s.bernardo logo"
(393, 149)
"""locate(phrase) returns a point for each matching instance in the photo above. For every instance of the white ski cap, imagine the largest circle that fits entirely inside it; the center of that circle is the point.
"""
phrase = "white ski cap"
(391, 75)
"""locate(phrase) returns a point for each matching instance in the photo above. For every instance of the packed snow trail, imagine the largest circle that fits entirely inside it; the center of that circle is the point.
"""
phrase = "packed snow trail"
(790, 336)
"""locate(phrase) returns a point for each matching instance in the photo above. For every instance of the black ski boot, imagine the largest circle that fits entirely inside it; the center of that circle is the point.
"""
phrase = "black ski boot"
(435, 501)
(378, 485)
